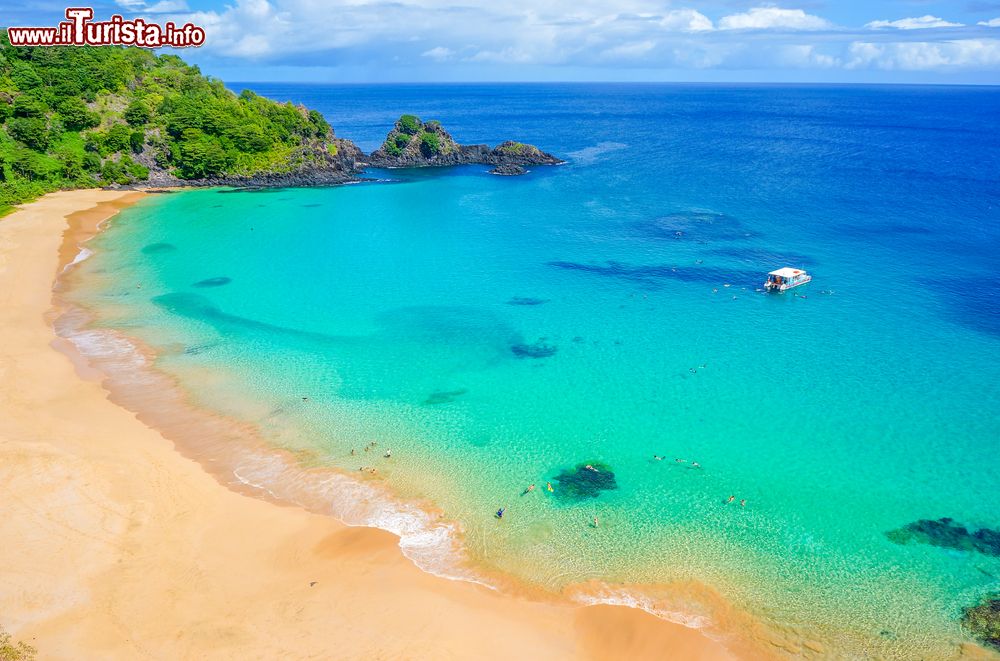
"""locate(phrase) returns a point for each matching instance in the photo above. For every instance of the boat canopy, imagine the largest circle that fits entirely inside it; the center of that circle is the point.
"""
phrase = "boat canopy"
(787, 272)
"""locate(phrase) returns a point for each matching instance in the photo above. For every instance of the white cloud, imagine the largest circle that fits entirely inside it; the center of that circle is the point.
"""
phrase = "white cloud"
(686, 20)
(925, 56)
(772, 18)
(439, 53)
(992, 23)
(161, 7)
(914, 23)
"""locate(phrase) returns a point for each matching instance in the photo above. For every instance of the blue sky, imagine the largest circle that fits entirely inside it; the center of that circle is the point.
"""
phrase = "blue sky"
(878, 41)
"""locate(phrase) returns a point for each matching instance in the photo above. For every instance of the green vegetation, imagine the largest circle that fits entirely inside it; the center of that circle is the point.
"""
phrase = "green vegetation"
(74, 117)
(11, 651)
(429, 144)
(410, 124)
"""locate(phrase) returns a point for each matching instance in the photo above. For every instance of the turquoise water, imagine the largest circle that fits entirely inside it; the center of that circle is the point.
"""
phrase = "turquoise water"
(399, 311)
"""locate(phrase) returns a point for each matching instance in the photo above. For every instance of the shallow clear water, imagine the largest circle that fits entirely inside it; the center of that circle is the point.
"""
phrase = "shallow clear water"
(848, 408)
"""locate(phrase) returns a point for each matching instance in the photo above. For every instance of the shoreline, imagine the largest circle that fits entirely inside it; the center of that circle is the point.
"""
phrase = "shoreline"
(128, 548)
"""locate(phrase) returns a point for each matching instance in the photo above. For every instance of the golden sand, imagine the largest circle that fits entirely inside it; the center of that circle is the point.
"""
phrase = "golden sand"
(115, 546)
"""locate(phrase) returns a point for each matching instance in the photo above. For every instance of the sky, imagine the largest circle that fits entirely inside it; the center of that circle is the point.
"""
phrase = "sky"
(359, 41)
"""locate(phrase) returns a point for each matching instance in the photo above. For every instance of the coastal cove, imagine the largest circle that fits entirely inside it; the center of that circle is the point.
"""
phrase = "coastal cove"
(167, 563)
(495, 333)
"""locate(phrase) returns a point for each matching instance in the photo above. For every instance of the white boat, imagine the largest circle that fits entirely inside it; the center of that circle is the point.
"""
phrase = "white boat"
(786, 278)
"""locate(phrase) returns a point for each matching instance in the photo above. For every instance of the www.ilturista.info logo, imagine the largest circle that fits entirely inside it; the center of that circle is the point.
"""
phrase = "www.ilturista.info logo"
(80, 30)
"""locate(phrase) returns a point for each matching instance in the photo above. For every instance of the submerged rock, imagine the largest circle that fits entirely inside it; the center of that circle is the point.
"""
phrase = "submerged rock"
(537, 350)
(213, 282)
(983, 621)
(508, 170)
(585, 480)
(525, 300)
(158, 248)
(946, 533)
(444, 396)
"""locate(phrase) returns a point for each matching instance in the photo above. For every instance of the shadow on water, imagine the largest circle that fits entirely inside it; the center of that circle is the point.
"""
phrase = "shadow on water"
(700, 226)
(213, 282)
(654, 274)
(428, 341)
(973, 302)
(158, 248)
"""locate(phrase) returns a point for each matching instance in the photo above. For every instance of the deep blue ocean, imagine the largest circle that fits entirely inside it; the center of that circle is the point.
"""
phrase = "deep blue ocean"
(846, 413)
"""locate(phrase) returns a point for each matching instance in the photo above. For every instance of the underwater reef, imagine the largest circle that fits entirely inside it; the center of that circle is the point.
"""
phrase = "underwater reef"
(983, 621)
(946, 533)
(585, 480)
(538, 349)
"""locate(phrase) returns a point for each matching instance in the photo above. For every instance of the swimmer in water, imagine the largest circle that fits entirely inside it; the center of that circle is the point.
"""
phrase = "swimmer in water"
(530, 488)
(730, 499)
(388, 453)
(353, 452)
(695, 464)
(681, 461)
(743, 503)
(500, 512)
(595, 522)
(657, 457)
(548, 485)
(591, 468)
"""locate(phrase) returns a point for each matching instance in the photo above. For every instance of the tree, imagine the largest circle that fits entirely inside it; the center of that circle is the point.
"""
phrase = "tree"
(430, 145)
(409, 124)
(137, 113)
(76, 116)
(32, 131)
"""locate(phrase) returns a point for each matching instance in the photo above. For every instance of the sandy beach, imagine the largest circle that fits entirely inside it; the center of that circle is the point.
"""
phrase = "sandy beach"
(115, 546)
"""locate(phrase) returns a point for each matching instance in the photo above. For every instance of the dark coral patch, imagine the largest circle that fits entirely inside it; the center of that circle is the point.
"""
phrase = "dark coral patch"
(158, 248)
(983, 621)
(213, 282)
(526, 300)
(586, 480)
(945, 533)
(444, 396)
(539, 349)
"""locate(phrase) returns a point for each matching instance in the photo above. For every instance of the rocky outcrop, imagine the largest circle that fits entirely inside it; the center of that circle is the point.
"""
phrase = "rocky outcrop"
(317, 163)
(412, 143)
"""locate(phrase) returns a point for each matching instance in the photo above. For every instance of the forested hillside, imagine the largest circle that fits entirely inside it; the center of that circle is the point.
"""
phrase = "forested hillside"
(75, 117)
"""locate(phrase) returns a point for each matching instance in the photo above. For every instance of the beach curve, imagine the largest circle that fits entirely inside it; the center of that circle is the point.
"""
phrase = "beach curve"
(126, 548)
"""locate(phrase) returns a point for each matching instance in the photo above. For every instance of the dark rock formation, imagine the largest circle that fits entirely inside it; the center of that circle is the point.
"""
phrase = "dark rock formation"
(944, 532)
(586, 480)
(508, 170)
(983, 621)
(537, 350)
(412, 143)
(526, 300)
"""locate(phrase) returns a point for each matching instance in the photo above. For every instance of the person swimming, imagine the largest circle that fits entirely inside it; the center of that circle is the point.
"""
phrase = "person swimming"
(730, 499)
(548, 485)
(388, 454)
(500, 512)
(695, 464)
(657, 457)
(591, 468)
(530, 488)
(743, 503)
(595, 522)
(681, 461)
